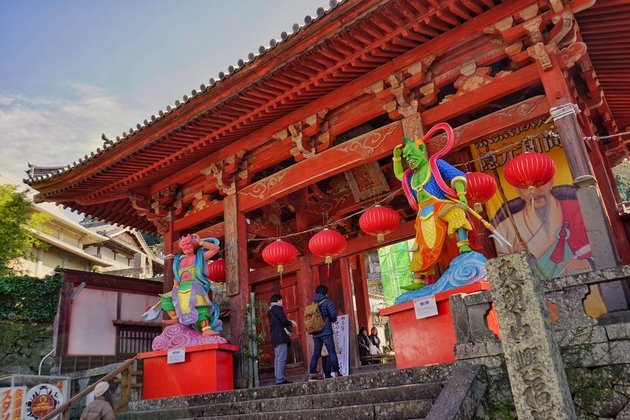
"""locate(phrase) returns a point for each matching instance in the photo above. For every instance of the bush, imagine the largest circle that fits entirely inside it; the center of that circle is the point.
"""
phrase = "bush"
(30, 299)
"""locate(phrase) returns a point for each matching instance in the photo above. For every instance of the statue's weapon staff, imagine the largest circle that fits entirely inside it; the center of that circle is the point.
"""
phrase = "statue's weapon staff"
(501, 240)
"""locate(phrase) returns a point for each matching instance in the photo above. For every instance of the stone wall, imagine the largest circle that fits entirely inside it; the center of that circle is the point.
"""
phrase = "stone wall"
(22, 347)
(595, 352)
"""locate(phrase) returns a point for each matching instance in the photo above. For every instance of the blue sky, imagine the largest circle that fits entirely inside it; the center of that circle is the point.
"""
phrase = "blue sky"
(71, 70)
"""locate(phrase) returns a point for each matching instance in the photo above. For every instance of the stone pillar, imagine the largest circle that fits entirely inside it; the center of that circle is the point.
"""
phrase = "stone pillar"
(593, 212)
(537, 377)
(563, 111)
(236, 281)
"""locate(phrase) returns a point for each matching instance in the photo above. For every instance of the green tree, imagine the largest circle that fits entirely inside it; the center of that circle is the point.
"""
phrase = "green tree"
(622, 179)
(17, 221)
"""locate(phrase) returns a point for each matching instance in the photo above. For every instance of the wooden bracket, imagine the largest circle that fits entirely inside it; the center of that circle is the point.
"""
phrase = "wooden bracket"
(539, 53)
(396, 98)
(159, 208)
(225, 173)
(309, 136)
(402, 92)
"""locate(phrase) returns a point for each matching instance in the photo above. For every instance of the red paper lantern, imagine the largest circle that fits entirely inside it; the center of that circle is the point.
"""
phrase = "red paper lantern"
(379, 221)
(216, 270)
(327, 243)
(480, 188)
(530, 170)
(279, 253)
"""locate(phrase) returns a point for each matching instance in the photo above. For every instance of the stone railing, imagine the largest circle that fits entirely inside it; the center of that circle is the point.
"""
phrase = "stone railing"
(572, 328)
(544, 321)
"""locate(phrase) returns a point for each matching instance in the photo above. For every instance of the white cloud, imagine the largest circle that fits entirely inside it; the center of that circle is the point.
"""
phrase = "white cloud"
(56, 132)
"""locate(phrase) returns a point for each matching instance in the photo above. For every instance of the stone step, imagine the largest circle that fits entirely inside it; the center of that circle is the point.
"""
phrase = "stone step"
(417, 409)
(367, 381)
(422, 395)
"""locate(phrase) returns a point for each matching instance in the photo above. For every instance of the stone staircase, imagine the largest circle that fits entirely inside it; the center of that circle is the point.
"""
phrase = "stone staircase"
(385, 394)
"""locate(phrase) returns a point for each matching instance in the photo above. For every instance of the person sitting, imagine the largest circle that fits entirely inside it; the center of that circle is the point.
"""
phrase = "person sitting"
(364, 346)
(375, 340)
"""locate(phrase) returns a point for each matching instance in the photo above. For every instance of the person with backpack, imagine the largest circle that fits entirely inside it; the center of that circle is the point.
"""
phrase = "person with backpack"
(318, 320)
(280, 329)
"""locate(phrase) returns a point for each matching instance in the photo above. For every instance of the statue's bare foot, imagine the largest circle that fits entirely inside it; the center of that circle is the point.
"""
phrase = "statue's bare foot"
(208, 333)
(169, 321)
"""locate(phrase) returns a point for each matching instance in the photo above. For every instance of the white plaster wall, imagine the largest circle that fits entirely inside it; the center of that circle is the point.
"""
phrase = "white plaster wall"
(91, 323)
(132, 305)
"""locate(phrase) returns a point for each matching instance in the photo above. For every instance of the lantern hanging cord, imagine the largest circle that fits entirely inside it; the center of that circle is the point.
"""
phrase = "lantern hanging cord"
(612, 136)
(315, 229)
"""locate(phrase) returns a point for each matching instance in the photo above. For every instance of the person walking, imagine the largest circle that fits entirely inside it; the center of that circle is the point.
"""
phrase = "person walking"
(325, 336)
(99, 409)
(280, 328)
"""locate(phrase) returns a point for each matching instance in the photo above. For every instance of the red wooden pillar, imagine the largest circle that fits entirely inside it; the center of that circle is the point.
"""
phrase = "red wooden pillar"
(305, 281)
(170, 238)
(348, 270)
(237, 285)
(359, 281)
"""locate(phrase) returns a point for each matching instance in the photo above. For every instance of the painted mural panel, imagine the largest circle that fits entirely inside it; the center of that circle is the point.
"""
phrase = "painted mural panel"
(546, 221)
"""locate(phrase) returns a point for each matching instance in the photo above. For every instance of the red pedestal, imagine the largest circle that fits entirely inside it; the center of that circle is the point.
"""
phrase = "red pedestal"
(207, 368)
(427, 341)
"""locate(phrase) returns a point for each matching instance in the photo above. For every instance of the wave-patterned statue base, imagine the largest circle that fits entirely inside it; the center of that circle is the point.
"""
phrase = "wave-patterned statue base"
(464, 269)
(178, 335)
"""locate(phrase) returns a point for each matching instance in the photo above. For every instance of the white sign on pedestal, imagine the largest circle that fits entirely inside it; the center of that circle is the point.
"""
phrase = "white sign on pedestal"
(425, 307)
(176, 356)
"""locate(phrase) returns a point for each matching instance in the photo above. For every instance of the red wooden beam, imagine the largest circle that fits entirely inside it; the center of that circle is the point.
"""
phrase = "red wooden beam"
(529, 110)
(214, 209)
(500, 87)
(366, 148)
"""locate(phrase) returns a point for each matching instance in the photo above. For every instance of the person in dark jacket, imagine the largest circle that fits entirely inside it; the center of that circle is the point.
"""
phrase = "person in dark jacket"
(364, 346)
(375, 339)
(99, 409)
(280, 328)
(325, 336)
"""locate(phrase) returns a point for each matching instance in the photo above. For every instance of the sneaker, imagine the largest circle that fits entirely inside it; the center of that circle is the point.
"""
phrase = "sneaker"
(314, 377)
(336, 375)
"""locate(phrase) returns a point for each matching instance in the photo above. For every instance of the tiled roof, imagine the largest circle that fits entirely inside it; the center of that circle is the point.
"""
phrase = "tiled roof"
(39, 173)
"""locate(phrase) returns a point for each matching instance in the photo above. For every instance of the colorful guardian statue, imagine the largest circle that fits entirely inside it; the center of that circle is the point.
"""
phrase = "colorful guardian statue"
(194, 316)
(442, 226)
